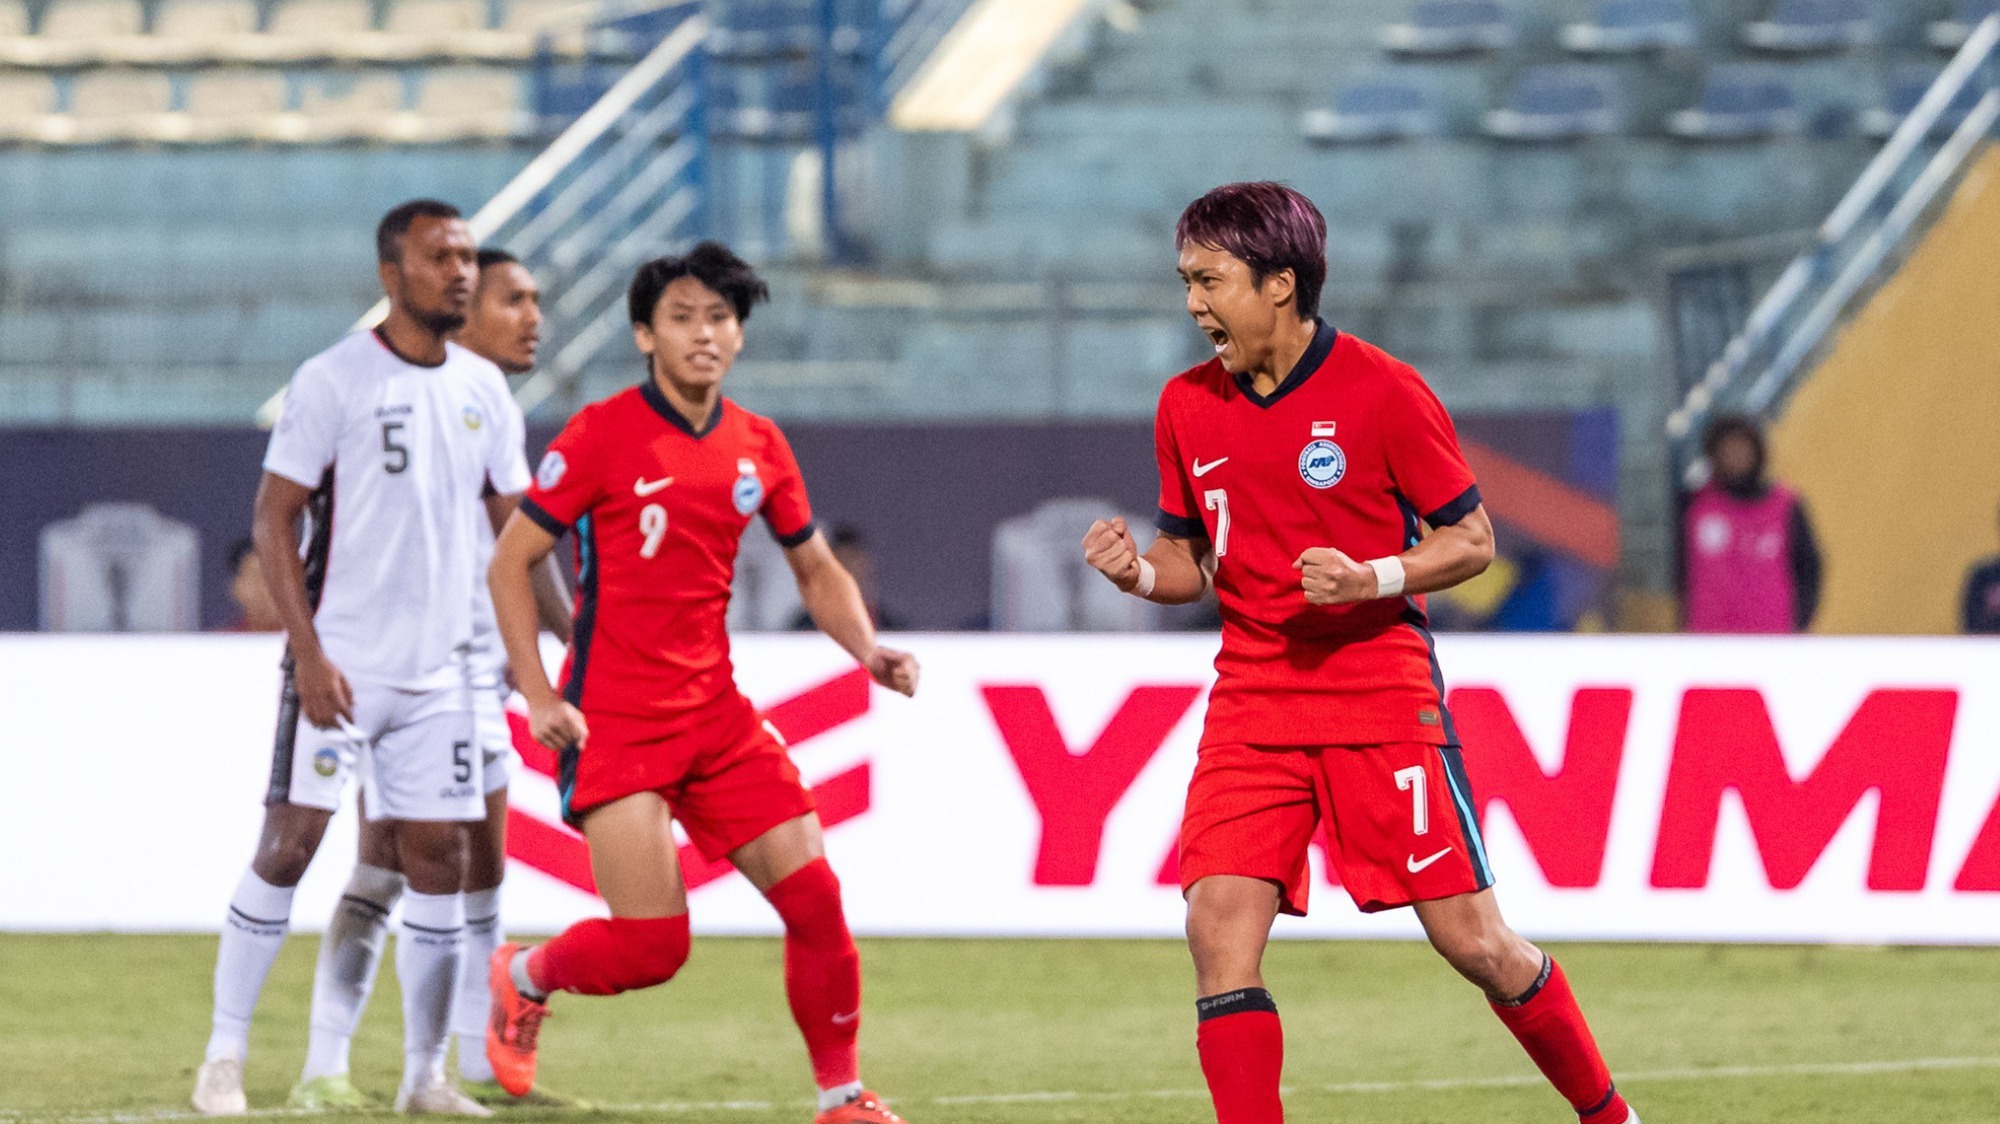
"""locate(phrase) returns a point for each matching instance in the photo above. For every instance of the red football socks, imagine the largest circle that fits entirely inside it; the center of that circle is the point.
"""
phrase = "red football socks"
(608, 955)
(822, 971)
(1242, 1047)
(1551, 1029)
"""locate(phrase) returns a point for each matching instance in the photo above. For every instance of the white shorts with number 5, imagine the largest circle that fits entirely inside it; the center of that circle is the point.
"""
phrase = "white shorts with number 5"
(416, 753)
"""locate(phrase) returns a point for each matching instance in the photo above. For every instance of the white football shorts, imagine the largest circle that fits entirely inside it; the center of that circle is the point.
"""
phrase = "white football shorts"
(496, 740)
(415, 753)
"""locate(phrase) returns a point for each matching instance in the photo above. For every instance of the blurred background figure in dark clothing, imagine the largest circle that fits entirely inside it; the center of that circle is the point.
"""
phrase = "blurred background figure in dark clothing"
(851, 547)
(1751, 563)
(1979, 607)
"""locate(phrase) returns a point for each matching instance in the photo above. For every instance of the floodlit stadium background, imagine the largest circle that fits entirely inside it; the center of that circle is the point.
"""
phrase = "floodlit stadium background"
(1593, 224)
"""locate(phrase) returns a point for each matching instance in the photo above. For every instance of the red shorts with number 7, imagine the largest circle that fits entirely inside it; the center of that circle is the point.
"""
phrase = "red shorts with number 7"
(1398, 821)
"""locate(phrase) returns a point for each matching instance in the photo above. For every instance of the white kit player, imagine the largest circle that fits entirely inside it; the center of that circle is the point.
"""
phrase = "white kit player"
(389, 438)
(503, 325)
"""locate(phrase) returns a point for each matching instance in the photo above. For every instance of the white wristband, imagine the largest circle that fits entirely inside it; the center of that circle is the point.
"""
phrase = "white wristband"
(1147, 577)
(1388, 575)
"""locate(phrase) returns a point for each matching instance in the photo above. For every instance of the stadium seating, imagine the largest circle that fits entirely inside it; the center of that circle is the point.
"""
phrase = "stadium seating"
(1740, 103)
(86, 20)
(27, 106)
(1950, 33)
(108, 103)
(82, 33)
(1450, 27)
(1904, 87)
(1812, 26)
(1377, 109)
(196, 21)
(1621, 27)
(240, 103)
(1559, 103)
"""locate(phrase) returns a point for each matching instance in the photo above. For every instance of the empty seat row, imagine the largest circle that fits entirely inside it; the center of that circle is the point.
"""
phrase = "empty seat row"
(233, 105)
(1737, 101)
(1458, 27)
(74, 32)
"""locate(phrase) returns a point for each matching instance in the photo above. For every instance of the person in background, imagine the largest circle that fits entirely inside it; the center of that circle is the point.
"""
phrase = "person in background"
(256, 612)
(1979, 607)
(850, 546)
(1751, 563)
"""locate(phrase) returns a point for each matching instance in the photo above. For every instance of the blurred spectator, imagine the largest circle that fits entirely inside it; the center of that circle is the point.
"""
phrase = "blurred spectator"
(851, 547)
(1979, 612)
(256, 612)
(1752, 564)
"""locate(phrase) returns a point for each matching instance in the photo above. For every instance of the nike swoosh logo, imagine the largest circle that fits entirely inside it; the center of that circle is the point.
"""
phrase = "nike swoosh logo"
(1415, 864)
(843, 1020)
(644, 487)
(1201, 469)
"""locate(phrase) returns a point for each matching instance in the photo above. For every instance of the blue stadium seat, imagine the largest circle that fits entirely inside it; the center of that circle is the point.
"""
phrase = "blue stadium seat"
(1622, 27)
(1740, 103)
(1903, 89)
(760, 29)
(1373, 109)
(1950, 34)
(1450, 27)
(1556, 103)
(1813, 26)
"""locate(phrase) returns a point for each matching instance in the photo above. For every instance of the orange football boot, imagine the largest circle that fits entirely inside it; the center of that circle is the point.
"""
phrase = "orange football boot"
(515, 1025)
(864, 1109)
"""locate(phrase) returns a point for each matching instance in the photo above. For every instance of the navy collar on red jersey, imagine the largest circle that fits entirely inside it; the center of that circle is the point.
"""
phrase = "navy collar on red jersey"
(1324, 337)
(650, 391)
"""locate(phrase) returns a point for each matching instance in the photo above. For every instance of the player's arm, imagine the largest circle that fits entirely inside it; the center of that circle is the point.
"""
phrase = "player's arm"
(523, 547)
(552, 603)
(1173, 571)
(1450, 554)
(834, 602)
(324, 694)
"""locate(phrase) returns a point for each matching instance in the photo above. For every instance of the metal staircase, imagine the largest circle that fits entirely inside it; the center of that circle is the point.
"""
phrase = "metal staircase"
(1767, 359)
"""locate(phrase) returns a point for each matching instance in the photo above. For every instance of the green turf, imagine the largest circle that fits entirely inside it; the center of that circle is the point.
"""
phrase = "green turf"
(95, 1025)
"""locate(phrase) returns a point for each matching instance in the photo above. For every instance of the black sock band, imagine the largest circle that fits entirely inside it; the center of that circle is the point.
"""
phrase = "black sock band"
(1600, 1106)
(1234, 1003)
(1534, 989)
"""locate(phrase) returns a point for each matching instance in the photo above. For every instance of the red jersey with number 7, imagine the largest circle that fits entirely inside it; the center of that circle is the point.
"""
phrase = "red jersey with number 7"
(1350, 451)
(659, 509)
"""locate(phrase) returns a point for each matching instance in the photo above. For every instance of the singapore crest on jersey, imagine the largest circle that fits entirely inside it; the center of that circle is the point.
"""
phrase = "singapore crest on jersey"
(1322, 464)
(550, 472)
(749, 490)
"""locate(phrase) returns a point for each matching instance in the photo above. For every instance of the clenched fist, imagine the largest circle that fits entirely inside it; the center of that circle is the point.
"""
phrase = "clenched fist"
(1332, 578)
(1110, 549)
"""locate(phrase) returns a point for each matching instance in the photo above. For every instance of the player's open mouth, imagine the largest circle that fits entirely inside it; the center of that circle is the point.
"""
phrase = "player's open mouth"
(1218, 337)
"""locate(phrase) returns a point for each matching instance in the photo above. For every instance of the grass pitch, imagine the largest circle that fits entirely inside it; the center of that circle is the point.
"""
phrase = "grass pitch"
(103, 1028)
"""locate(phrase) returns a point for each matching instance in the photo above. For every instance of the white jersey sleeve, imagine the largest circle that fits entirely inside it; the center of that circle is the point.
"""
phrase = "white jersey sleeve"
(306, 440)
(507, 459)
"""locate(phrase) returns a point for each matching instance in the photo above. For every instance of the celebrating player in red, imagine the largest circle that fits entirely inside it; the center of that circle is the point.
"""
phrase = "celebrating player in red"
(1294, 452)
(659, 483)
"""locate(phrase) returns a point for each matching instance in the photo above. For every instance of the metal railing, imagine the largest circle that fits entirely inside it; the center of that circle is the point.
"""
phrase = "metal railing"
(1765, 361)
(909, 31)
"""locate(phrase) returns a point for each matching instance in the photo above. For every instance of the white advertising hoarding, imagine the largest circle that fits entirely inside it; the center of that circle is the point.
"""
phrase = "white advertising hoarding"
(1630, 787)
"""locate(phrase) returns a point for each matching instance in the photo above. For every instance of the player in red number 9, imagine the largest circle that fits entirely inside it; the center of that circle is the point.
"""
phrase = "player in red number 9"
(1299, 470)
(658, 483)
